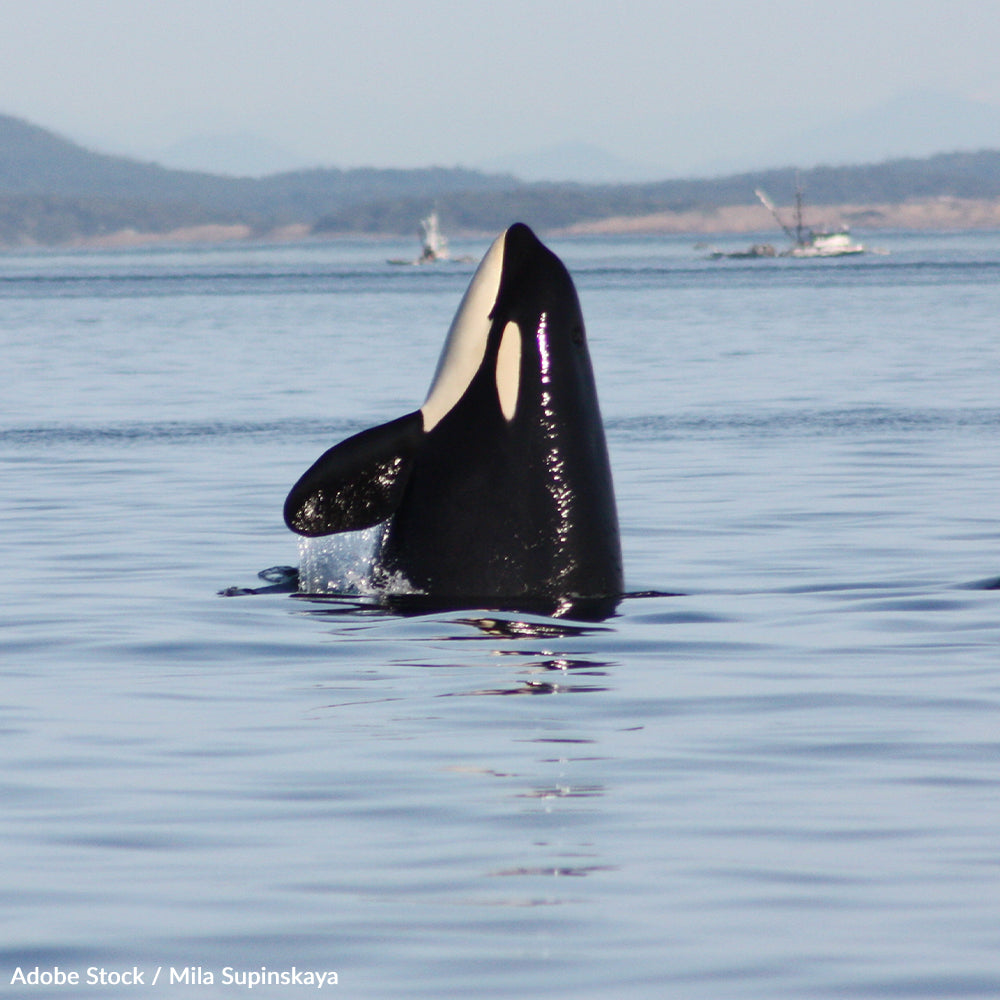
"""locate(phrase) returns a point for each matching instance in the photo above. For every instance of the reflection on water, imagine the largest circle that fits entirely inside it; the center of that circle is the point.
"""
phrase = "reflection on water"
(564, 668)
(542, 671)
(515, 628)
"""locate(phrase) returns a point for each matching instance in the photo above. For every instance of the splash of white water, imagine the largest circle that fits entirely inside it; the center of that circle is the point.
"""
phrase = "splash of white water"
(347, 563)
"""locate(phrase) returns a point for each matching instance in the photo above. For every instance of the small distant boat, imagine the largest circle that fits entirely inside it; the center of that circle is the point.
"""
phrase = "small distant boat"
(434, 246)
(808, 242)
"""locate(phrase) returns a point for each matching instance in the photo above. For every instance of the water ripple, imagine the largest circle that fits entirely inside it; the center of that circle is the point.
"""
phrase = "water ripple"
(766, 423)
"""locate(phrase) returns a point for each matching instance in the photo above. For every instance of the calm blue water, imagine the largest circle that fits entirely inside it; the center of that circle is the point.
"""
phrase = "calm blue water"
(784, 783)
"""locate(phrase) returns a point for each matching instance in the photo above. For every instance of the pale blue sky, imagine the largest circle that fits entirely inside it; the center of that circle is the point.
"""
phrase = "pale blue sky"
(681, 87)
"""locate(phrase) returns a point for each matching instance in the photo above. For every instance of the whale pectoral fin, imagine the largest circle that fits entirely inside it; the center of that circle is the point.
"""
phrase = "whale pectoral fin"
(357, 483)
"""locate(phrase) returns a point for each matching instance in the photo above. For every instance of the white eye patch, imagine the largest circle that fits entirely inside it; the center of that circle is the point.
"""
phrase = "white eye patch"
(466, 342)
(509, 370)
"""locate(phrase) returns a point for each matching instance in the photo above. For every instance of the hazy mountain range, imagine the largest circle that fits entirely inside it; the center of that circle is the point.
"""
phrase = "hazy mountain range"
(915, 124)
(55, 191)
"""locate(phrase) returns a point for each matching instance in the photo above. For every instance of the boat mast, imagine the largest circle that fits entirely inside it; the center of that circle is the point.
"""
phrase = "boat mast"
(773, 209)
(799, 228)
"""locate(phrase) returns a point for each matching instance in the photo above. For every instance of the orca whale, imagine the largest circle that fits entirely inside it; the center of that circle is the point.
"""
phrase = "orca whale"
(498, 488)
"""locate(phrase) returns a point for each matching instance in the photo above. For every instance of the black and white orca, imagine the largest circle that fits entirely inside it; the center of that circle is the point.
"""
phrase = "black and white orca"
(498, 489)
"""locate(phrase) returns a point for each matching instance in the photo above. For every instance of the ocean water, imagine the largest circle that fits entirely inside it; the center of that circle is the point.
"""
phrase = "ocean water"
(783, 781)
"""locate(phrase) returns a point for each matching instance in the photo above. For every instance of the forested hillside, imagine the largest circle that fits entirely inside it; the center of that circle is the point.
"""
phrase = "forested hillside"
(54, 191)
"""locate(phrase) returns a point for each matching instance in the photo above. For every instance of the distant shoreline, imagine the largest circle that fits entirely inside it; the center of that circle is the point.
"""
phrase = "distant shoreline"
(939, 214)
(56, 194)
(207, 233)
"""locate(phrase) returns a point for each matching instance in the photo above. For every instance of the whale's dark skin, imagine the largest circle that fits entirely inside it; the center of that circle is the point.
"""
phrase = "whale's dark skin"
(499, 487)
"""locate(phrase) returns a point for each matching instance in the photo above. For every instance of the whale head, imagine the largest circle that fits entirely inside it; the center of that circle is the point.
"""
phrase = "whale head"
(498, 488)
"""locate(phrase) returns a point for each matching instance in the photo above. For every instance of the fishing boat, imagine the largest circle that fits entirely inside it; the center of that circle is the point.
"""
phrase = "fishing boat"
(434, 246)
(808, 242)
